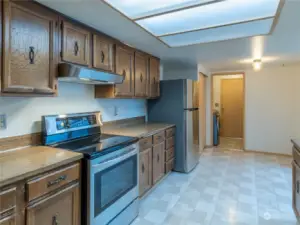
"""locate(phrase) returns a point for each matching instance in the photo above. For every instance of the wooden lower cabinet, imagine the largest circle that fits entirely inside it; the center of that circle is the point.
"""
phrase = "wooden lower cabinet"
(8, 221)
(296, 189)
(60, 208)
(145, 176)
(158, 162)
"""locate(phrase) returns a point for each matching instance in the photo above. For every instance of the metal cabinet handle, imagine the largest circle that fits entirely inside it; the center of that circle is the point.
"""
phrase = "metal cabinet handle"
(143, 168)
(298, 186)
(157, 158)
(102, 57)
(154, 80)
(124, 74)
(31, 55)
(54, 220)
(141, 78)
(76, 48)
(57, 181)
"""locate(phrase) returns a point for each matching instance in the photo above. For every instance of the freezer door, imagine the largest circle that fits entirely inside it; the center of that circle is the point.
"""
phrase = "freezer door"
(192, 138)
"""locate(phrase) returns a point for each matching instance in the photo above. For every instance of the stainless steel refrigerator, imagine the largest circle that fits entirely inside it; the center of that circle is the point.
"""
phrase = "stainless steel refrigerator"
(179, 104)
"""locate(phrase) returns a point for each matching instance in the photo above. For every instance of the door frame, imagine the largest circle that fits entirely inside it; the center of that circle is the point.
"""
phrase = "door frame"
(205, 79)
(212, 102)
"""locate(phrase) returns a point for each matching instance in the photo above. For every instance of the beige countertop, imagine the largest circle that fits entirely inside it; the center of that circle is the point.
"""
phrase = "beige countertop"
(296, 143)
(30, 161)
(137, 130)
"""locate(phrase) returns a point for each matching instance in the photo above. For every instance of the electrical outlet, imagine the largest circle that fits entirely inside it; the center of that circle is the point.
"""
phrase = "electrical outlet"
(2, 122)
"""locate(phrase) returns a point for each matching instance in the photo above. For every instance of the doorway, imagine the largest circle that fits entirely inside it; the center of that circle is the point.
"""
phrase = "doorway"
(228, 100)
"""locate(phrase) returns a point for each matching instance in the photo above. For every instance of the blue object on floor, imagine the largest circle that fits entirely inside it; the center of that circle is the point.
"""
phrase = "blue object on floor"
(216, 128)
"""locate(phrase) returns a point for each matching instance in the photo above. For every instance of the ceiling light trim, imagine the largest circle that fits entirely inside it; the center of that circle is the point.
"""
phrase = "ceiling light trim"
(176, 10)
(218, 26)
(277, 15)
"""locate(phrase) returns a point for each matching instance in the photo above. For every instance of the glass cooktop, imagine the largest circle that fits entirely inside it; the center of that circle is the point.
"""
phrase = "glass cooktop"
(97, 145)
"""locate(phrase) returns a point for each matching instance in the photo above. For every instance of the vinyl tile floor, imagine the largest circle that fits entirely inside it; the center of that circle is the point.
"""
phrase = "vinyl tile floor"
(226, 188)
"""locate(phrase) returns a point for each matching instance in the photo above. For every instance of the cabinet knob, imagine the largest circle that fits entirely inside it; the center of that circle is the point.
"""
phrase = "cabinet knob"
(141, 78)
(157, 158)
(54, 220)
(31, 55)
(102, 57)
(76, 48)
(124, 74)
(143, 168)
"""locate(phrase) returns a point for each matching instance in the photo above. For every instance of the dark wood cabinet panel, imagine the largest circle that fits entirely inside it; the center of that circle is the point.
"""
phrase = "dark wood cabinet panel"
(145, 177)
(154, 78)
(140, 74)
(103, 53)
(60, 208)
(11, 220)
(30, 49)
(158, 162)
(75, 44)
(124, 67)
(296, 188)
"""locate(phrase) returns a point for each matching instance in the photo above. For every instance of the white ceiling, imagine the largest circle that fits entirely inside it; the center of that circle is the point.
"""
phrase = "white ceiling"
(282, 46)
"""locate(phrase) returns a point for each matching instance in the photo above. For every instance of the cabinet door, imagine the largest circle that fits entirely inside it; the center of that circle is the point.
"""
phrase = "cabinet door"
(154, 90)
(60, 208)
(296, 188)
(158, 162)
(145, 177)
(30, 53)
(140, 75)
(8, 221)
(75, 44)
(124, 66)
(103, 53)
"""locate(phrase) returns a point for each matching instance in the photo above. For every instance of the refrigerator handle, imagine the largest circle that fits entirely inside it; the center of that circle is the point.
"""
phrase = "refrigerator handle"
(191, 109)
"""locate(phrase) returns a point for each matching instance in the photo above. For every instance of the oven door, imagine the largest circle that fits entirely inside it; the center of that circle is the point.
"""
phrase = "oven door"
(113, 184)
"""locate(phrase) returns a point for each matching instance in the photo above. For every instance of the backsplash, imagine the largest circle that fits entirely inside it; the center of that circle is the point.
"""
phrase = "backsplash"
(24, 114)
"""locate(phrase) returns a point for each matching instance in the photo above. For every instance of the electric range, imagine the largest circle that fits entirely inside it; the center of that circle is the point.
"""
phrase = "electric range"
(109, 169)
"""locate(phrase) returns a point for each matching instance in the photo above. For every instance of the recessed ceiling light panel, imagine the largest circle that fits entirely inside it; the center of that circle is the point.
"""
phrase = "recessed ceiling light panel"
(207, 16)
(261, 27)
(142, 8)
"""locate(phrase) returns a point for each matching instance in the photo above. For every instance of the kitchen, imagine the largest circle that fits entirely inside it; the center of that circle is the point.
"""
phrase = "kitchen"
(53, 68)
(92, 132)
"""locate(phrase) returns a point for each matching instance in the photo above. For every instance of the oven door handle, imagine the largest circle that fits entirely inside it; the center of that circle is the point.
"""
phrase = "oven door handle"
(114, 160)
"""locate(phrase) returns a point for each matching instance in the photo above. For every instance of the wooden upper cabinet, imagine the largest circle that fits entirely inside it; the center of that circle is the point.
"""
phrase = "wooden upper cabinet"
(154, 91)
(75, 44)
(124, 67)
(140, 74)
(60, 208)
(11, 220)
(103, 53)
(29, 49)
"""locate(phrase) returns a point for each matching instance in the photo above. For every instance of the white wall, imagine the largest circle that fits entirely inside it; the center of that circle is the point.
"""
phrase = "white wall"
(271, 108)
(24, 114)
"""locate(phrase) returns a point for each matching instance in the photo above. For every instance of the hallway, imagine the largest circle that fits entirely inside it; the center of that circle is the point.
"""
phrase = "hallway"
(226, 188)
(231, 143)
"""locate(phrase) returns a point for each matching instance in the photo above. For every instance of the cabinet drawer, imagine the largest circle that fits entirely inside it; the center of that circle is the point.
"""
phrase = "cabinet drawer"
(158, 138)
(169, 165)
(145, 143)
(169, 154)
(45, 184)
(169, 143)
(296, 155)
(170, 132)
(7, 199)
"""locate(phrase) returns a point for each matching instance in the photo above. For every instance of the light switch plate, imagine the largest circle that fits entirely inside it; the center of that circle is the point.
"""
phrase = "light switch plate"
(2, 122)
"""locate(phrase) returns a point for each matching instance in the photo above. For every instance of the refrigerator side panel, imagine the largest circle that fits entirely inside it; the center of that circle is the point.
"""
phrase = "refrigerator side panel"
(169, 109)
(189, 87)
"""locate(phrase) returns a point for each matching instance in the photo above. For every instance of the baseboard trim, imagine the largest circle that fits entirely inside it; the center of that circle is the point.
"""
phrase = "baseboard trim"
(267, 153)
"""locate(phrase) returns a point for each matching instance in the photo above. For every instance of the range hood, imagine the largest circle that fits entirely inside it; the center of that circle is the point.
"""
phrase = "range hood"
(77, 74)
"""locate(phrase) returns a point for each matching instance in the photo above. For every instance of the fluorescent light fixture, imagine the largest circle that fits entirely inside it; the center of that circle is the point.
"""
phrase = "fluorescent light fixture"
(257, 64)
(217, 34)
(185, 22)
(135, 9)
(208, 16)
